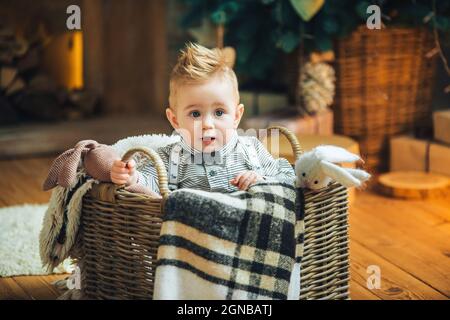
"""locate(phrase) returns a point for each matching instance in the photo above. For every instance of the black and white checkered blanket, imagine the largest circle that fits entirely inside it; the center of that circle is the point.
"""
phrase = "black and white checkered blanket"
(241, 245)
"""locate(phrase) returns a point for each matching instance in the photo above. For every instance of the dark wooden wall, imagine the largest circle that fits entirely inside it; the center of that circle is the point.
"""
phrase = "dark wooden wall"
(125, 44)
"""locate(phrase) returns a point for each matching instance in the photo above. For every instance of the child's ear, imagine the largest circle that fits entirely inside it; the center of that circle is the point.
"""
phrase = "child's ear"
(239, 112)
(172, 118)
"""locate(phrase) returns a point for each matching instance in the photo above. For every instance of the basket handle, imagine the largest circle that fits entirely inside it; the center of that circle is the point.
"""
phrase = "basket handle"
(295, 144)
(157, 162)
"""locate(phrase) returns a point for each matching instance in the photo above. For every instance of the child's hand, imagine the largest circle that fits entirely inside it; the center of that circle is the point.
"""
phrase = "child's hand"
(244, 179)
(123, 173)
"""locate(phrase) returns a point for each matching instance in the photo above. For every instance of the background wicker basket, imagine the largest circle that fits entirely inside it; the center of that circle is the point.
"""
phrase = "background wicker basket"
(384, 87)
(120, 230)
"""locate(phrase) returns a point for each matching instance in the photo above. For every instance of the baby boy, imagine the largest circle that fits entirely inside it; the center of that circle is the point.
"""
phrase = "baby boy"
(204, 110)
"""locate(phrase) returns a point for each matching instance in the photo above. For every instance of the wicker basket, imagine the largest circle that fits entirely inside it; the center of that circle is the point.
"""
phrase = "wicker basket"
(384, 87)
(120, 230)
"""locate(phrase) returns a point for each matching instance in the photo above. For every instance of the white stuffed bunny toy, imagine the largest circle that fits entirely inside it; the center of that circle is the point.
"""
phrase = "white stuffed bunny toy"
(315, 169)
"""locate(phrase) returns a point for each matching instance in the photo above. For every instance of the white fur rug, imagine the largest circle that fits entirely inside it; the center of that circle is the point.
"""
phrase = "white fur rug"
(19, 241)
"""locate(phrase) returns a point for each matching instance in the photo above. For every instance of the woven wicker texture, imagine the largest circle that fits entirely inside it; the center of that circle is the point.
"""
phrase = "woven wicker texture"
(384, 87)
(120, 230)
(325, 264)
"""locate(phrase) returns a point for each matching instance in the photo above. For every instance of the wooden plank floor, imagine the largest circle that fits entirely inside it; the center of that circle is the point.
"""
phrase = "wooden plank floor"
(407, 240)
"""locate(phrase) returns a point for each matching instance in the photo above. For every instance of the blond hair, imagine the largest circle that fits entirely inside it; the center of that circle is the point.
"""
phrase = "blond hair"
(197, 64)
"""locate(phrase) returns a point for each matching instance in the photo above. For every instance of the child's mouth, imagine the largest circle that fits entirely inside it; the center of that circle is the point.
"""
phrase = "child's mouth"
(208, 140)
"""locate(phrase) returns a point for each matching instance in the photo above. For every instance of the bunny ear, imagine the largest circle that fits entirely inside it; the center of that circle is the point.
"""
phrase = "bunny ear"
(64, 169)
(339, 174)
(361, 175)
(55, 170)
(335, 154)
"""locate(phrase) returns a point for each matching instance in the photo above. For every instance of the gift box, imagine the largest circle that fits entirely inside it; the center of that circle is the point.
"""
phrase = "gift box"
(440, 158)
(321, 123)
(441, 124)
(408, 154)
(411, 154)
(262, 102)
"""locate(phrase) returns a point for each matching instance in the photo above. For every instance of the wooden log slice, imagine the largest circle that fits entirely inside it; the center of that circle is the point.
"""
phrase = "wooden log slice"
(414, 185)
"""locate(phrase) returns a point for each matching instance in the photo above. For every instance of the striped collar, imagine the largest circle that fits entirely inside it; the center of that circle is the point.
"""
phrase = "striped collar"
(223, 151)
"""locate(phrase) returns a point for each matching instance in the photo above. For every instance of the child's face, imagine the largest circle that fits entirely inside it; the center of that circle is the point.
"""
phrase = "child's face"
(206, 114)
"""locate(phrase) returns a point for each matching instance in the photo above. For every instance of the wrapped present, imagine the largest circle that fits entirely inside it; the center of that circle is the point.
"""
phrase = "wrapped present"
(408, 154)
(262, 102)
(320, 123)
(268, 102)
(411, 154)
(441, 124)
(440, 158)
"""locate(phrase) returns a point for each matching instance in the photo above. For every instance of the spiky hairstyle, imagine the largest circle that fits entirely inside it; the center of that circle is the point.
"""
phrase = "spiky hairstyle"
(197, 64)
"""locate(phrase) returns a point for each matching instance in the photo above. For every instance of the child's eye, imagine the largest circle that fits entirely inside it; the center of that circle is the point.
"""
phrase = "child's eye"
(219, 113)
(195, 114)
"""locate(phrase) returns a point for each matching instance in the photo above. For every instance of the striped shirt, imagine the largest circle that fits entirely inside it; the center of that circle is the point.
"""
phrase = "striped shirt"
(213, 172)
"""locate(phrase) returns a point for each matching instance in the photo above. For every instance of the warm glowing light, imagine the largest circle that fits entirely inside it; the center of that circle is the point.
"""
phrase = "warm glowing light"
(63, 59)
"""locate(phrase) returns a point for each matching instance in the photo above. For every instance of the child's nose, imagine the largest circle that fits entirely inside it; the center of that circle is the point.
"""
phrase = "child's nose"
(208, 122)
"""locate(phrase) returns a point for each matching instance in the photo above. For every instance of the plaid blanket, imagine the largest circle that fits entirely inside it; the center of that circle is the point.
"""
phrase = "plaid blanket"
(241, 245)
